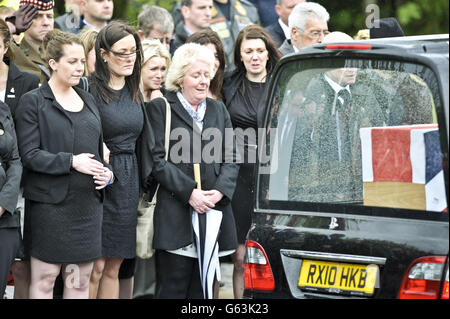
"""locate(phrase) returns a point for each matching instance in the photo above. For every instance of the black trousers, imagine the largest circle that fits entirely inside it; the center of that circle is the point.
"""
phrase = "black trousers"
(9, 247)
(177, 277)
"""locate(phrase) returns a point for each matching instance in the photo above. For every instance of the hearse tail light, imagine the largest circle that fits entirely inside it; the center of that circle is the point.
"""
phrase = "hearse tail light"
(348, 46)
(10, 279)
(422, 280)
(258, 273)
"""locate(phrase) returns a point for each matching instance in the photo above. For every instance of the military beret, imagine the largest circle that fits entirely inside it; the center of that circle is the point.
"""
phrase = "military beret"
(40, 4)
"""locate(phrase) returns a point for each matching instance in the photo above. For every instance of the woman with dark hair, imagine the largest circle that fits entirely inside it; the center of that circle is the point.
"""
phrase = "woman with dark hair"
(10, 175)
(115, 85)
(13, 84)
(211, 40)
(60, 141)
(255, 56)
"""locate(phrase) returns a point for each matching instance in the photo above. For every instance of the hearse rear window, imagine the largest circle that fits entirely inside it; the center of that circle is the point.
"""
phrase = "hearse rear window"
(357, 132)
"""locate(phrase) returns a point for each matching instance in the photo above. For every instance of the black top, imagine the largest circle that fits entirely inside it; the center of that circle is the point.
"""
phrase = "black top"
(122, 122)
(17, 84)
(10, 169)
(46, 139)
(243, 108)
(70, 231)
(173, 218)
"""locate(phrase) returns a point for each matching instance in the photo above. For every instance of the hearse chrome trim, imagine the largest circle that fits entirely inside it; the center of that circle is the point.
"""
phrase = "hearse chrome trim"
(333, 257)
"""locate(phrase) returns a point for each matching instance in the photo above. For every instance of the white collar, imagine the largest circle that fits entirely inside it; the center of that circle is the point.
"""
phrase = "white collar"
(336, 87)
(285, 28)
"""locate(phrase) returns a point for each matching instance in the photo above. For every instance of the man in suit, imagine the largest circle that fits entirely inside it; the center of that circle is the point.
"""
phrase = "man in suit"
(228, 18)
(196, 17)
(156, 23)
(265, 11)
(279, 30)
(326, 152)
(308, 26)
(96, 13)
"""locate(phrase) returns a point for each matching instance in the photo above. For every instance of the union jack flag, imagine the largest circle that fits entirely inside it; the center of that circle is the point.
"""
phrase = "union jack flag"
(405, 154)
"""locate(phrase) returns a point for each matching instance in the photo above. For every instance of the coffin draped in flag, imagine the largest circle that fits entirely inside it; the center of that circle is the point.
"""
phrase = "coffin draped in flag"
(402, 167)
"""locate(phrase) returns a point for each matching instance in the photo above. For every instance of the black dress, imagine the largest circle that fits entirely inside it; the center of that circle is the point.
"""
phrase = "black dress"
(69, 232)
(122, 122)
(243, 109)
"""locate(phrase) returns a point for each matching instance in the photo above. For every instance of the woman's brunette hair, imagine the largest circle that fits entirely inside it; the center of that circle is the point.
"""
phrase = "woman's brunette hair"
(255, 31)
(205, 37)
(107, 37)
(54, 42)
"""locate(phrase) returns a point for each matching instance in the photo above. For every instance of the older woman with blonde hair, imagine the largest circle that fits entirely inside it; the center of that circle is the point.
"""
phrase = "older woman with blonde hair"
(192, 113)
(155, 62)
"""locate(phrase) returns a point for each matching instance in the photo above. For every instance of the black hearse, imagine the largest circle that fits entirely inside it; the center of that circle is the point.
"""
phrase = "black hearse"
(352, 187)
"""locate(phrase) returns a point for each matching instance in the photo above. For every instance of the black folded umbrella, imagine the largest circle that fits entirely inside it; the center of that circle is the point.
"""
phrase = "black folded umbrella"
(206, 229)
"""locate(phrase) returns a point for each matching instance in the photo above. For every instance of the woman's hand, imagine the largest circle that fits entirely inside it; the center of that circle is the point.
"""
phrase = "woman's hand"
(106, 153)
(86, 164)
(155, 94)
(214, 195)
(2, 211)
(104, 179)
(201, 202)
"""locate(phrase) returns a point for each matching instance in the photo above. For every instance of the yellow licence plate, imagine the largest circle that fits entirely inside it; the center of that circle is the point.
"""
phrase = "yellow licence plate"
(341, 278)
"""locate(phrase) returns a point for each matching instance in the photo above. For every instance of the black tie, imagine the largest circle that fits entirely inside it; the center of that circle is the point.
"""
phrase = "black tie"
(346, 97)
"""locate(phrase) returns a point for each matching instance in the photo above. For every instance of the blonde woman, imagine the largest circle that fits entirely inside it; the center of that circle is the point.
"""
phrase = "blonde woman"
(187, 84)
(88, 38)
(156, 61)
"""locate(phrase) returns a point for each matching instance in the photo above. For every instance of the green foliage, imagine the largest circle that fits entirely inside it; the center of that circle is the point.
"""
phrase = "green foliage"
(130, 9)
(415, 16)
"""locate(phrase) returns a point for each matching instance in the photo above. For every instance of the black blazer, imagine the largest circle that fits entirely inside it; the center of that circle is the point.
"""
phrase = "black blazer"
(18, 84)
(277, 33)
(10, 169)
(45, 138)
(172, 219)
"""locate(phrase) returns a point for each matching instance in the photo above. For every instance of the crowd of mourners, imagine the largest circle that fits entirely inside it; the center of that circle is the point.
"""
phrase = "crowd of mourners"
(82, 135)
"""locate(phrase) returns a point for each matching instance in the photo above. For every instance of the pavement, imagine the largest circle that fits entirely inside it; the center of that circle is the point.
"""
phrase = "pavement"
(226, 291)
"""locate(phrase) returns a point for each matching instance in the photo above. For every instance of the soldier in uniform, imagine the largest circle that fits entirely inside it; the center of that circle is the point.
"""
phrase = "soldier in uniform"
(29, 56)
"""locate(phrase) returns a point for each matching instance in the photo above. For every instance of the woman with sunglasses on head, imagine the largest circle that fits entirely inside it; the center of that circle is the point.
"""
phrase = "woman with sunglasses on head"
(115, 85)
(255, 56)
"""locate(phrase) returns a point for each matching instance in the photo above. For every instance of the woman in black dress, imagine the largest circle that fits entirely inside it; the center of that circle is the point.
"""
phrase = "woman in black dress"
(60, 142)
(115, 86)
(255, 56)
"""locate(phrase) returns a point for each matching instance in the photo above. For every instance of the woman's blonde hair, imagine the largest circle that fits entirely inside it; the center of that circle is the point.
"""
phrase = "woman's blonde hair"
(182, 59)
(154, 48)
(363, 34)
(87, 37)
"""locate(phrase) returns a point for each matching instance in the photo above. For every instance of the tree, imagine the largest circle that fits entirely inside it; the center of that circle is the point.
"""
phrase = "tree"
(415, 16)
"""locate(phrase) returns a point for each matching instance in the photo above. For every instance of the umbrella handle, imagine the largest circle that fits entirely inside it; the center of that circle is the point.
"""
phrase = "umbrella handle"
(197, 175)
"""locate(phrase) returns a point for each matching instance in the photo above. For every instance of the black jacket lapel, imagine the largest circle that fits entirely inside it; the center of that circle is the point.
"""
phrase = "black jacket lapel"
(178, 108)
